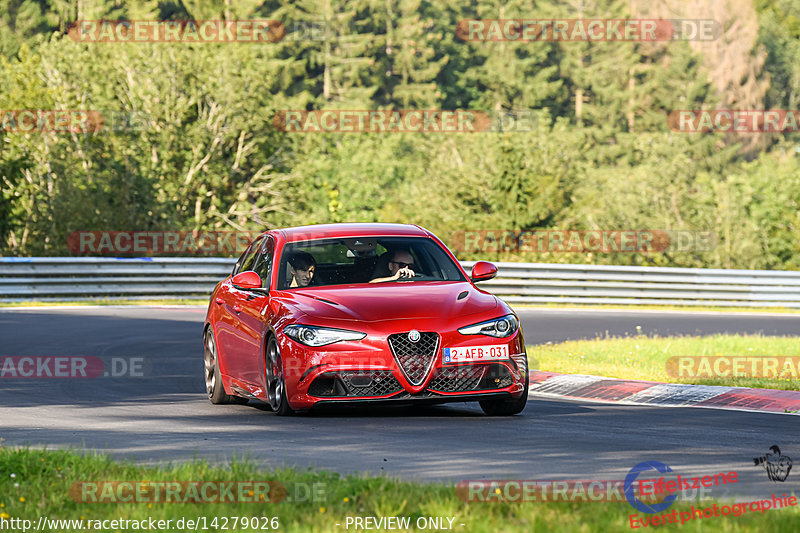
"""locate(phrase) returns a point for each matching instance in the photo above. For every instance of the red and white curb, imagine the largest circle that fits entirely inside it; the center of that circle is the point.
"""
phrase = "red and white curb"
(601, 389)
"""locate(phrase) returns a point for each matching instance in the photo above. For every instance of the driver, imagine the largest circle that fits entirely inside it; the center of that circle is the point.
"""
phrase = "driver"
(302, 266)
(401, 265)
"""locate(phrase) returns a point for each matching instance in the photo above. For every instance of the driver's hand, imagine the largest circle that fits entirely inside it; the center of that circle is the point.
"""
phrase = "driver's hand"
(404, 272)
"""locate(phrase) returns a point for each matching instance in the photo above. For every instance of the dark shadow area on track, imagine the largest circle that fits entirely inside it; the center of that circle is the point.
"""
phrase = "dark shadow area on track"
(450, 410)
(550, 440)
(167, 342)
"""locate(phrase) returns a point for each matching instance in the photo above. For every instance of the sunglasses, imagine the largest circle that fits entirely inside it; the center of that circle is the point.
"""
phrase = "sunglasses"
(403, 265)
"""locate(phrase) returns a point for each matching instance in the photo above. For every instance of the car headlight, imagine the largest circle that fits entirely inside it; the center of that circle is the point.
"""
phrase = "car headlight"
(317, 336)
(505, 326)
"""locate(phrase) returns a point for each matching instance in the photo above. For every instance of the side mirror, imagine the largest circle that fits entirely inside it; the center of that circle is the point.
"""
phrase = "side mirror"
(482, 271)
(246, 280)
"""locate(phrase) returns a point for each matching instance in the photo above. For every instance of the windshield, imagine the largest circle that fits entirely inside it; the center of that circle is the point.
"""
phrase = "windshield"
(324, 262)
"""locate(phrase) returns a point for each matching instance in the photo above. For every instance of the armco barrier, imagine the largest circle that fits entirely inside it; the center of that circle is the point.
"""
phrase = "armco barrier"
(608, 284)
(63, 278)
(58, 278)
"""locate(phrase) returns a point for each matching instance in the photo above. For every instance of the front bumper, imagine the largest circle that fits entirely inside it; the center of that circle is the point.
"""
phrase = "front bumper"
(444, 382)
(369, 370)
(372, 375)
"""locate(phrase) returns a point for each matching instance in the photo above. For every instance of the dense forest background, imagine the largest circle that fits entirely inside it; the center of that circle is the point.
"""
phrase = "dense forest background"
(209, 157)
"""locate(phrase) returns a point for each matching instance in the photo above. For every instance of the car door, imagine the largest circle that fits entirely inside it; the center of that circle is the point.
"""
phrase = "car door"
(229, 302)
(249, 306)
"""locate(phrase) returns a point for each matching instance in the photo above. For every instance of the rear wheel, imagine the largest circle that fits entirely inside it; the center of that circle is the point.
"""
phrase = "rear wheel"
(506, 407)
(276, 379)
(214, 388)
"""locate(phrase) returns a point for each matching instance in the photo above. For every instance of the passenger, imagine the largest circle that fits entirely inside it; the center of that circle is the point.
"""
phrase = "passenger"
(400, 265)
(302, 266)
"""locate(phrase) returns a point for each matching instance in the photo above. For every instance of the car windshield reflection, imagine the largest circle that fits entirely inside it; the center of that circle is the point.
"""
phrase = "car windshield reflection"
(361, 260)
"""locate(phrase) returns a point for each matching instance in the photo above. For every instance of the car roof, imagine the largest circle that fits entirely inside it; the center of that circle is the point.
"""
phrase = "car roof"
(375, 229)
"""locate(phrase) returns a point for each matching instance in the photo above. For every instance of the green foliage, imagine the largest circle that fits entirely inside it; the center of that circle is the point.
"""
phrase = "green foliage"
(779, 32)
(203, 152)
(20, 21)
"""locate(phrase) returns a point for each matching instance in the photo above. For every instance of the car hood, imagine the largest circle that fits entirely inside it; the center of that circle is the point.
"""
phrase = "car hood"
(391, 301)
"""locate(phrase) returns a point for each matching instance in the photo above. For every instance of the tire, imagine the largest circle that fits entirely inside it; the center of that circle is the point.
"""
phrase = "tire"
(506, 407)
(276, 380)
(213, 380)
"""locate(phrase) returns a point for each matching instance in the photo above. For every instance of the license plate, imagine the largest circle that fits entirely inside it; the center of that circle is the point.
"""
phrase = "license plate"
(471, 354)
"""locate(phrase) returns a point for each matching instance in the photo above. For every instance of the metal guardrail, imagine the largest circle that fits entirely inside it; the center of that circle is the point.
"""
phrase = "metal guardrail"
(63, 278)
(59, 278)
(608, 284)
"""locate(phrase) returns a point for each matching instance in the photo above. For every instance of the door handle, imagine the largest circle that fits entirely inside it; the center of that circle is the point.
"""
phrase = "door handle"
(219, 301)
(237, 308)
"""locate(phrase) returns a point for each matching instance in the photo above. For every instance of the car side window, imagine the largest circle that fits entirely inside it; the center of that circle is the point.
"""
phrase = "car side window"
(248, 258)
(263, 263)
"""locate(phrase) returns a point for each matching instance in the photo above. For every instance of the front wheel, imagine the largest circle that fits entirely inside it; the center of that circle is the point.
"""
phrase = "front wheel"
(276, 380)
(506, 407)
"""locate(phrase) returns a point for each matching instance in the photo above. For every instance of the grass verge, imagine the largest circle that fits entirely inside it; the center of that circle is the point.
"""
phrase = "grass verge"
(36, 483)
(645, 358)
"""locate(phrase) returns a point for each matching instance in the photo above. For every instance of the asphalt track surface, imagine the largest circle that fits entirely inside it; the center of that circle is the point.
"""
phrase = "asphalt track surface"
(164, 415)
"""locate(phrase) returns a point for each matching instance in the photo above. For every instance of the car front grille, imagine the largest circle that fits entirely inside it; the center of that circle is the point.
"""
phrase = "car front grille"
(470, 378)
(455, 379)
(374, 383)
(377, 383)
(355, 384)
(415, 359)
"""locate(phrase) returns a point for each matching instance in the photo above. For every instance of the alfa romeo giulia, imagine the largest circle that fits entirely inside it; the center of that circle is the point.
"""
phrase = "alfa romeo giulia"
(360, 313)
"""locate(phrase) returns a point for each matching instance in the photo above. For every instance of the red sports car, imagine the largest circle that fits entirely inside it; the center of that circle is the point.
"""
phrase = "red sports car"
(352, 313)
